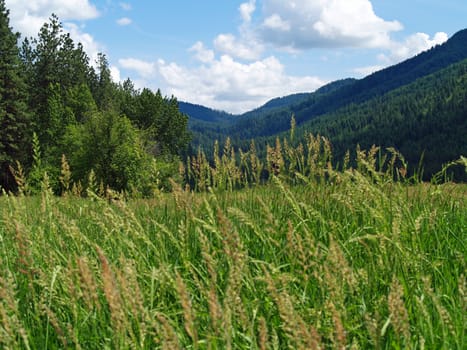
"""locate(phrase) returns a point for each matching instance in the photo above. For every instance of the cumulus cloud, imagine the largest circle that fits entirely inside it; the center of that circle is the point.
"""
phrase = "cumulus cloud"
(246, 10)
(224, 83)
(275, 22)
(399, 51)
(245, 44)
(201, 53)
(142, 68)
(90, 46)
(234, 86)
(27, 17)
(244, 48)
(115, 74)
(124, 21)
(304, 24)
(415, 44)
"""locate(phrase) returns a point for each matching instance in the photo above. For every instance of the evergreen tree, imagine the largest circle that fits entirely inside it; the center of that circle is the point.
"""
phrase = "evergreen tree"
(104, 90)
(14, 119)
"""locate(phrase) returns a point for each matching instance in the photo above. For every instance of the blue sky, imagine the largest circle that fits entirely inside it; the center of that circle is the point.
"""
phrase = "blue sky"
(236, 55)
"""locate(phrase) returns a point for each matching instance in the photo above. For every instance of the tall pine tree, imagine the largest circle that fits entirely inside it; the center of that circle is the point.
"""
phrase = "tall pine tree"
(14, 118)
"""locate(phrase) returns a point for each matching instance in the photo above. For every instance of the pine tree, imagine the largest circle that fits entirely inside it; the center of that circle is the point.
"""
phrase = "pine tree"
(104, 89)
(14, 118)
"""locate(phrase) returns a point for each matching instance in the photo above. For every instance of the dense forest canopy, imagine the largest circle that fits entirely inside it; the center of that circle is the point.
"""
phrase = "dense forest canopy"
(65, 122)
(59, 109)
(417, 106)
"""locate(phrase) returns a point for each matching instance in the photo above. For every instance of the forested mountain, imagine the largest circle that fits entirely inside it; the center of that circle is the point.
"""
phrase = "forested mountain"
(417, 106)
(200, 113)
(63, 120)
(60, 112)
(425, 118)
(295, 99)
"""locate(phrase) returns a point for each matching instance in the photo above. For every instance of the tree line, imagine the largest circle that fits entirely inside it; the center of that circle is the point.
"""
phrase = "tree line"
(57, 109)
(425, 120)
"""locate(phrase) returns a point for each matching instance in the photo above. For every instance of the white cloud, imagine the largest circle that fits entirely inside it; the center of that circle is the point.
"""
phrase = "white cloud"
(143, 68)
(124, 21)
(90, 46)
(115, 74)
(245, 48)
(222, 83)
(201, 53)
(400, 51)
(415, 44)
(246, 10)
(275, 22)
(230, 85)
(305, 24)
(27, 17)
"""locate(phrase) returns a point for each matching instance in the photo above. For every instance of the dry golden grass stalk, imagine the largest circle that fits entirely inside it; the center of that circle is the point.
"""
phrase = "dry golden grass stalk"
(398, 312)
(169, 339)
(215, 309)
(20, 178)
(65, 176)
(262, 334)
(462, 286)
(298, 332)
(24, 260)
(235, 252)
(337, 274)
(301, 248)
(339, 338)
(181, 196)
(372, 328)
(315, 339)
(112, 294)
(132, 299)
(59, 331)
(188, 314)
(88, 284)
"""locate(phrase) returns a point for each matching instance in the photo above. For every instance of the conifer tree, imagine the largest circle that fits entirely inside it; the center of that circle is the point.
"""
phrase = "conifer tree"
(14, 118)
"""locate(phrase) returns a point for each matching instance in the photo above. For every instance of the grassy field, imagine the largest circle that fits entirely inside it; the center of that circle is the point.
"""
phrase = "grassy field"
(352, 262)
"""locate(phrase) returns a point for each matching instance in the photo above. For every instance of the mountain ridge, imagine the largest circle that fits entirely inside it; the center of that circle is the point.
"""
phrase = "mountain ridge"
(340, 110)
(422, 64)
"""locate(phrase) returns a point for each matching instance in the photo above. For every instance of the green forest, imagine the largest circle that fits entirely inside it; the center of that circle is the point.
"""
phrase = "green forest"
(58, 110)
(129, 220)
(417, 106)
(62, 116)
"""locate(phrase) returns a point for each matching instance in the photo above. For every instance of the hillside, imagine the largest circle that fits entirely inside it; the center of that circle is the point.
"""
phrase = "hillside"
(416, 106)
(200, 113)
(427, 117)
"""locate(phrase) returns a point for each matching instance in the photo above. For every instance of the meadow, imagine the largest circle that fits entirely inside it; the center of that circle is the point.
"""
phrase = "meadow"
(354, 258)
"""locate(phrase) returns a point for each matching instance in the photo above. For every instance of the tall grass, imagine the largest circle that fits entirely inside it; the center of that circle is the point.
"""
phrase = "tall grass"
(315, 259)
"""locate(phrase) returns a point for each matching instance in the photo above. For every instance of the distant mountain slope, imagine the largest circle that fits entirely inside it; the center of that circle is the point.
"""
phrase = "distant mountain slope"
(425, 63)
(282, 101)
(267, 121)
(288, 102)
(428, 116)
(418, 106)
(202, 113)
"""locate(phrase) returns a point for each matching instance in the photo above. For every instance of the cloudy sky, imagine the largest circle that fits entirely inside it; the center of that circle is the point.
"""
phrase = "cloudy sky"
(235, 55)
